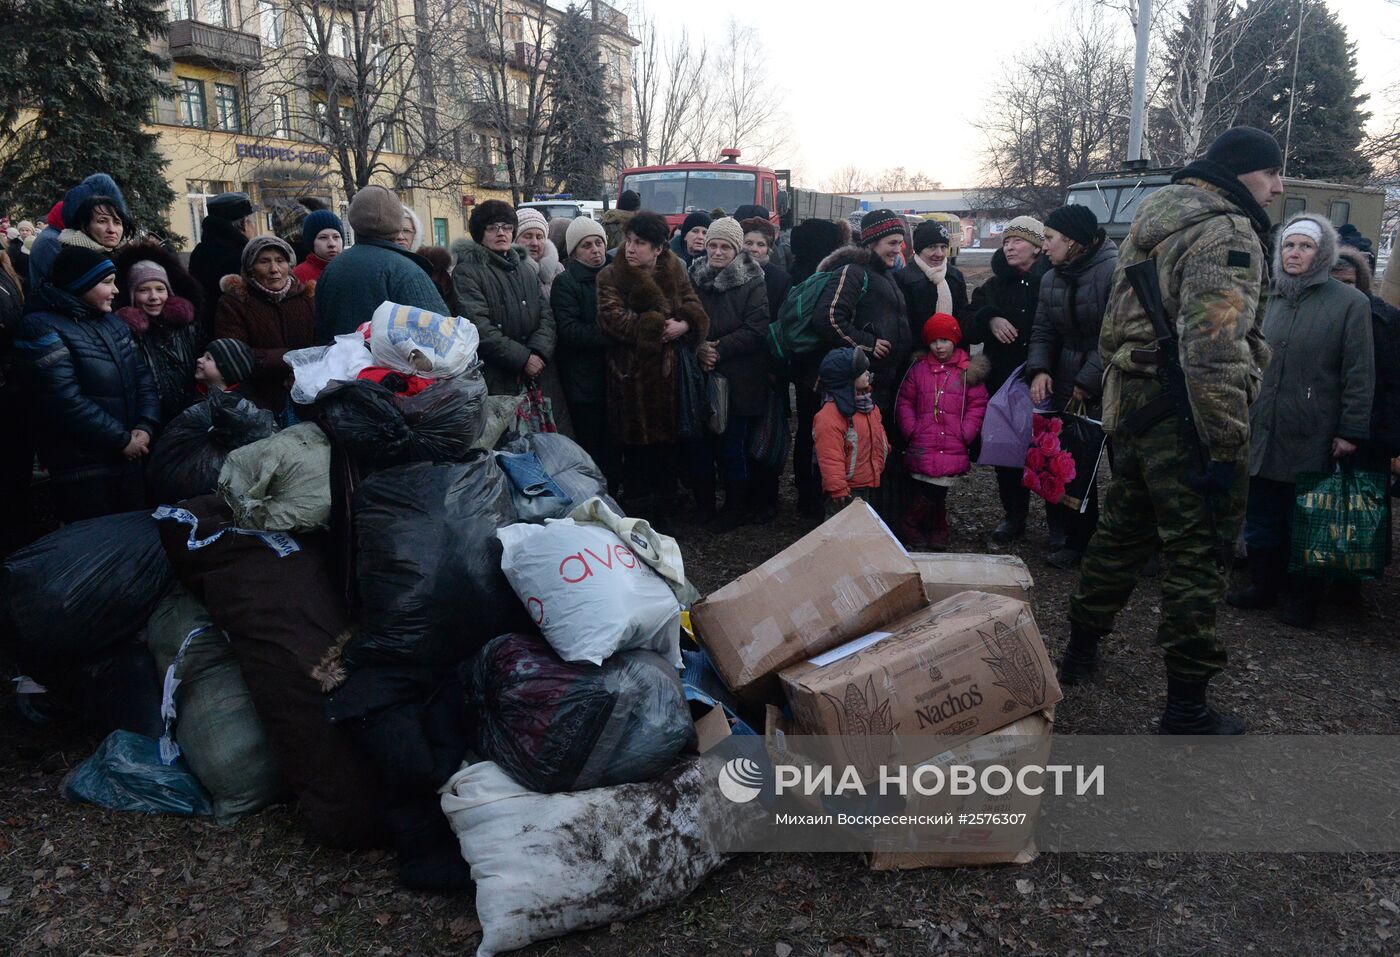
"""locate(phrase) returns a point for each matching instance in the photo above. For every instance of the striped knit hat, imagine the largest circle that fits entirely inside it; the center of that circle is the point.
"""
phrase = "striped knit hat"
(879, 223)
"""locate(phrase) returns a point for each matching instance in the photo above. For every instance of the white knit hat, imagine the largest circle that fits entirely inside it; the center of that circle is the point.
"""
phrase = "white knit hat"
(726, 230)
(530, 218)
(580, 229)
(1303, 226)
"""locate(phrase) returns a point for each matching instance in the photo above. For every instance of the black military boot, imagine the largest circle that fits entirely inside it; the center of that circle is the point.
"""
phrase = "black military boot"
(1010, 530)
(1081, 658)
(1265, 573)
(1188, 713)
(1300, 604)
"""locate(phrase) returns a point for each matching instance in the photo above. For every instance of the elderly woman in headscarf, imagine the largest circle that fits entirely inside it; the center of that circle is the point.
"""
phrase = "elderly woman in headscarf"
(1313, 410)
(272, 311)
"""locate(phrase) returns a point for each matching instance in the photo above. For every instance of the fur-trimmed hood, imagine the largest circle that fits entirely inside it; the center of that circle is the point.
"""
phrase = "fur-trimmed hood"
(182, 284)
(1291, 287)
(851, 255)
(232, 285)
(740, 271)
(1358, 261)
(549, 263)
(178, 312)
(978, 368)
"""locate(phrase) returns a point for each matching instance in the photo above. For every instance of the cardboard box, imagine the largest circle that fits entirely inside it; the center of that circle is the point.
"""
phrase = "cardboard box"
(945, 575)
(1020, 743)
(964, 667)
(841, 580)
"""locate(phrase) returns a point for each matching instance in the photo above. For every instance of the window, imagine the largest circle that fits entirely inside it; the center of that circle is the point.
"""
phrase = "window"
(389, 141)
(323, 128)
(191, 103)
(1292, 205)
(279, 118)
(439, 231)
(1339, 212)
(216, 12)
(226, 110)
(340, 40)
(271, 23)
(181, 9)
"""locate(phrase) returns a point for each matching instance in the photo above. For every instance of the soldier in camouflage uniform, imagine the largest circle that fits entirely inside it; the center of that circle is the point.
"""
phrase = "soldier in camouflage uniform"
(1209, 235)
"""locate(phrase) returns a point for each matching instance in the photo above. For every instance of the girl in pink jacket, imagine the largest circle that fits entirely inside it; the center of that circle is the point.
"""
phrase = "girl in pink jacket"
(940, 408)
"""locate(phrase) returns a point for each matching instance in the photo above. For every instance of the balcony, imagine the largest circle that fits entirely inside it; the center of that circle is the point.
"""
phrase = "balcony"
(325, 70)
(217, 47)
(493, 176)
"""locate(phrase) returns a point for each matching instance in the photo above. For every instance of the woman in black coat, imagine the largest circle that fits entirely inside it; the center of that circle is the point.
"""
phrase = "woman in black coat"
(161, 303)
(1000, 317)
(1064, 362)
(732, 290)
(930, 282)
(95, 401)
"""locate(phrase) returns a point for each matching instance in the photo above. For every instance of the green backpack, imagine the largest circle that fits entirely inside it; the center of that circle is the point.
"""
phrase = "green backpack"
(792, 333)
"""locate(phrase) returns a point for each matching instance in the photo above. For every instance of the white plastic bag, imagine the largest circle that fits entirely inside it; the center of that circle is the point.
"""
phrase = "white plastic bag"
(548, 864)
(414, 341)
(588, 592)
(314, 368)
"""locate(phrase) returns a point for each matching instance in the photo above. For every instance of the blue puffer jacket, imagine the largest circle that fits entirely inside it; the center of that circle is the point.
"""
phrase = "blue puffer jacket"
(89, 384)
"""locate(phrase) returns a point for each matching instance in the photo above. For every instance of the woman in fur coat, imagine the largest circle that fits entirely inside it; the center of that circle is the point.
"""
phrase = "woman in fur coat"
(159, 301)
(649, 309)
(734, 294)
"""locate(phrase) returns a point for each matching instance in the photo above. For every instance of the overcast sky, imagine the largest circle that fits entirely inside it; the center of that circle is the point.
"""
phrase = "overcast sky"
(899, 84)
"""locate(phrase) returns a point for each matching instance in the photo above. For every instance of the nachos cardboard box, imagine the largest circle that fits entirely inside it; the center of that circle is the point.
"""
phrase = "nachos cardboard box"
(1021, 743)
(961, 668)
(946, 574)
(845, 578)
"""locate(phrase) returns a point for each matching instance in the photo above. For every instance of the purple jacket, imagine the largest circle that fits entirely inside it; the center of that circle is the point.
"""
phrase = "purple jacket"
(940, 410)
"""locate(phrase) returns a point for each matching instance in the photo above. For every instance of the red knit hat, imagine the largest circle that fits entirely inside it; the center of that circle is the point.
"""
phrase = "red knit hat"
(942, 326)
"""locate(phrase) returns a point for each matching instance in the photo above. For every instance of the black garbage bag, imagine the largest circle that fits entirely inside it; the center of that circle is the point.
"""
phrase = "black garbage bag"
(428, 563)
(380, 428)
(554, 725)
(81, 589)
(190, 451)
(571, 468)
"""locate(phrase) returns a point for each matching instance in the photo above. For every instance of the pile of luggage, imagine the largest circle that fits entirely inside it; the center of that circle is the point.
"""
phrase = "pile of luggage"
(468, 653)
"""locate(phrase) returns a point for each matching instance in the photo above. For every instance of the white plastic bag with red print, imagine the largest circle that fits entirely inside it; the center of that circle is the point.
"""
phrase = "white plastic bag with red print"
(588, 592)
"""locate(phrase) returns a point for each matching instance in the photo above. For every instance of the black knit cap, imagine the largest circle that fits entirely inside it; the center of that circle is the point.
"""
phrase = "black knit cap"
(1244, 149)
(879, 223)
(234, 357)
(629, 201)
(812, 240)
(77, 269)
(751, 211)
(1077, 222)
(929, 233)
(490, 213)
(696, 218)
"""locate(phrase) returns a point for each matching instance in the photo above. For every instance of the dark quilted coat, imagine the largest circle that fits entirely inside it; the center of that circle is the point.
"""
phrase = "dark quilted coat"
(1065, 337)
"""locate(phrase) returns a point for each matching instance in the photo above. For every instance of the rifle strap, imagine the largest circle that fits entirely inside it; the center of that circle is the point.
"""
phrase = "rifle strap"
(1158, 409)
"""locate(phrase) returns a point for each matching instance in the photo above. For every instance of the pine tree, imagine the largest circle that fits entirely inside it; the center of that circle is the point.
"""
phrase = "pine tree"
(1328, 119)
(79, 83)
(579, 98)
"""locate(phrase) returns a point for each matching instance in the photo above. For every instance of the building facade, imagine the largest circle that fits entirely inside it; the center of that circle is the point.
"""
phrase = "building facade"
(276, 97)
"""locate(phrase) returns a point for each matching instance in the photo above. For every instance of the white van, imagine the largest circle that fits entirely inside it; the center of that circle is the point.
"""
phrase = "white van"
(566, 208)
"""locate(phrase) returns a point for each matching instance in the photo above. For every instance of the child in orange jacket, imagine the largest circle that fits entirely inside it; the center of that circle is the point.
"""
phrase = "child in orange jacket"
(850, 441)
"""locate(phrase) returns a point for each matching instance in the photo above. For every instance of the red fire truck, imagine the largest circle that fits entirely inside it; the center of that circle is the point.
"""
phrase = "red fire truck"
(678, 189)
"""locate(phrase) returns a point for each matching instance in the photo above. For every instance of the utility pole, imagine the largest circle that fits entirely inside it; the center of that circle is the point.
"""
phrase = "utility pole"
(1293, 87)
(1137, 122)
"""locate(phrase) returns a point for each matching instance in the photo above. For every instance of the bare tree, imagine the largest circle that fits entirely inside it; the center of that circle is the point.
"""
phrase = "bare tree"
(847, 179)
(747, 106)
(897, 178)
(1059, 115)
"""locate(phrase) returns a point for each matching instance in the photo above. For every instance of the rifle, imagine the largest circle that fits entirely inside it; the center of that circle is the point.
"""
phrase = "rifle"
(1142, 278)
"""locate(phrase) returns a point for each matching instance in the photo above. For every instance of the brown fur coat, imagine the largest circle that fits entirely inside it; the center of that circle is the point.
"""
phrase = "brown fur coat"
(633, 307)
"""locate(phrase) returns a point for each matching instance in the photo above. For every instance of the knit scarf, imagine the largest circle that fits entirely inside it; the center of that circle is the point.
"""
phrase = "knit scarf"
(272, 295)
(865, 402)
(938, 275)
(76, 237)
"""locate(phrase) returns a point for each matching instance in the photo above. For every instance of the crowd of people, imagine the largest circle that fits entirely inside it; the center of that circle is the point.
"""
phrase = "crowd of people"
(107, 335)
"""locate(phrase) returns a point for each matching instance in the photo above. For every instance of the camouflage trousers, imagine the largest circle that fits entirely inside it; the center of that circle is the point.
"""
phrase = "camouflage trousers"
(1147, 502)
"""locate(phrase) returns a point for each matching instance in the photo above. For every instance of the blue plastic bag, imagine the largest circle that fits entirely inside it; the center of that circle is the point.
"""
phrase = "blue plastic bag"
(125, 773)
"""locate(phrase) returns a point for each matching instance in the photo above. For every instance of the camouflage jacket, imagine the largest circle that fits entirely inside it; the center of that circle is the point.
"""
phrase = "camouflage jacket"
(1211, 267)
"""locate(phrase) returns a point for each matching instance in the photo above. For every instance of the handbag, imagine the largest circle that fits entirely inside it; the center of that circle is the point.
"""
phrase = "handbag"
(692, 397)
(1006, 428)
(769, 437)
(1084, 439)
(717, 392)
(534, 413)
(1338, 526)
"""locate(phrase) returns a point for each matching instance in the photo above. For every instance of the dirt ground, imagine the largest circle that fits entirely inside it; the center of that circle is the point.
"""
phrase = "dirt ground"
(76, 879)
